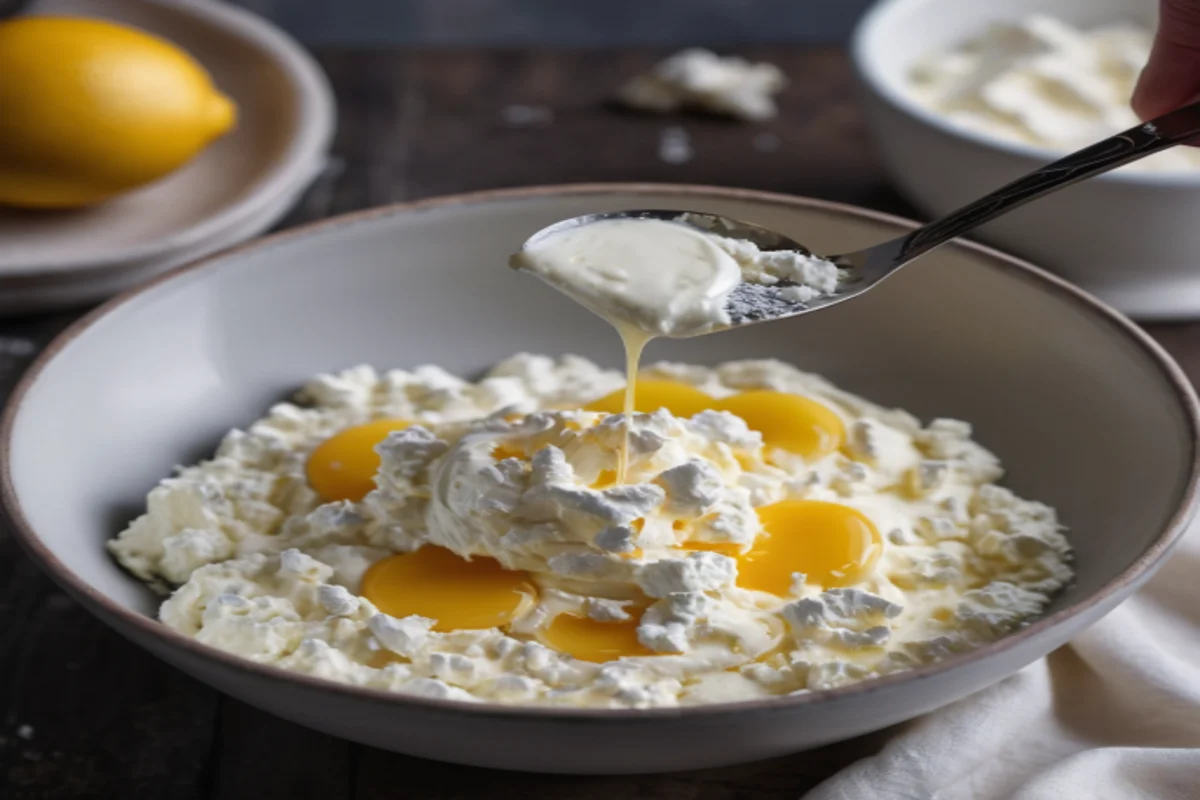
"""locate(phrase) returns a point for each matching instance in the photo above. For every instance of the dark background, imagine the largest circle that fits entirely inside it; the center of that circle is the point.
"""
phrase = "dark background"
(562, 23)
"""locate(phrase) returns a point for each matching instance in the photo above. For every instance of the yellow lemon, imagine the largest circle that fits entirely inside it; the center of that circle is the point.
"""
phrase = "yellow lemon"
(90, 109)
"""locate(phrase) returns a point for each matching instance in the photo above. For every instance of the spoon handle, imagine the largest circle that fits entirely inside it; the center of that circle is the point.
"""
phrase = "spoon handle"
(1158, 134)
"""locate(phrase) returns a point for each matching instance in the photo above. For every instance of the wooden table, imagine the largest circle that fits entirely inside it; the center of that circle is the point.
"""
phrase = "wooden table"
(83, 713)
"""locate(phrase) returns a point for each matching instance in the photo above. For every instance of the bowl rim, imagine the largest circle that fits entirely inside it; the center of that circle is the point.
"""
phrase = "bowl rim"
(81, 590)
(311, 138)
(873, 23)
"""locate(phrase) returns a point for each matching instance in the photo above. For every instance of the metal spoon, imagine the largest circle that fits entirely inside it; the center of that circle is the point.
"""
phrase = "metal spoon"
(861, 270)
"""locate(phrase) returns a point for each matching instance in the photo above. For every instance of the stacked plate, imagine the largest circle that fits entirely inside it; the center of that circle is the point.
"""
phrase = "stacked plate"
(237, 188)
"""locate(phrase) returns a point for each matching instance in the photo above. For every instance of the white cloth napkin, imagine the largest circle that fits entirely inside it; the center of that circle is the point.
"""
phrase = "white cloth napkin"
(1112, 716)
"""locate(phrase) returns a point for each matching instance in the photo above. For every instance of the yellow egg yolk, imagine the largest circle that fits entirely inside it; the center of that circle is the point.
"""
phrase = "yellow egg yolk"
(590, 640)
(832, 544)
(343, 466)
(605, 480)
(459, 594)
(788, 421)
(680, 399)
(501, 452)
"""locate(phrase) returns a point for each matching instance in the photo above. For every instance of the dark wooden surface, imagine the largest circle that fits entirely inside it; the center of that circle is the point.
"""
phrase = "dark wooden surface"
(85, 714)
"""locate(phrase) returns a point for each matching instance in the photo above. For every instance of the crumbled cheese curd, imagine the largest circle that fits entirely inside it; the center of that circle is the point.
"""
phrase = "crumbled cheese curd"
(1042, 82)
(515, 468)
(700, 79)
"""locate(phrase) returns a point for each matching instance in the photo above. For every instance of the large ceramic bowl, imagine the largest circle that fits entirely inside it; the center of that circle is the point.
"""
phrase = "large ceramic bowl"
(1085, 410)
(1131, 238)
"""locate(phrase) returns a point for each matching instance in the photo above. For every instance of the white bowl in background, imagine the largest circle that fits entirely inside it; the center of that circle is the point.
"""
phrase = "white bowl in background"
(1131, 238)
(1083, 408)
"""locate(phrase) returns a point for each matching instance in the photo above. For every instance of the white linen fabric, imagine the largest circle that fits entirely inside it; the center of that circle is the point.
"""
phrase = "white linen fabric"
(1114, 715)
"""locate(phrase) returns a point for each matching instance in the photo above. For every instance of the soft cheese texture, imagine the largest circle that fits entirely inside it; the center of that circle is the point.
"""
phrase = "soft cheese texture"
(665, 278)
(698, 78)
(509, 468)
(1042, 82)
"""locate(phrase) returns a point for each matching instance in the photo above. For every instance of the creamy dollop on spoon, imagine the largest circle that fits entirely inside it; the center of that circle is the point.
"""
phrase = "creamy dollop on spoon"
(674, 273)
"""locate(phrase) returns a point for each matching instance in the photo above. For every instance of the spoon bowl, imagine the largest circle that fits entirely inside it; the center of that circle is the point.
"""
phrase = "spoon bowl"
(748, 302)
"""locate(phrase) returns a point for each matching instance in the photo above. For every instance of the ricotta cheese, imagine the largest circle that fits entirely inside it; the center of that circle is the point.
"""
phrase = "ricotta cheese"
(699, 79)
(1042, 82)
(510, 468)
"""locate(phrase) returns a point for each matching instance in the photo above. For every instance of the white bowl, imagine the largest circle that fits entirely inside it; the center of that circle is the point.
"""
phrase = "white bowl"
(1130, 238)
(1086, 411)
(284, 129)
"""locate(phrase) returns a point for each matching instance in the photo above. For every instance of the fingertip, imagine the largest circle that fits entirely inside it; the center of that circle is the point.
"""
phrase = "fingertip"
(1144, 102)
(1166, 83)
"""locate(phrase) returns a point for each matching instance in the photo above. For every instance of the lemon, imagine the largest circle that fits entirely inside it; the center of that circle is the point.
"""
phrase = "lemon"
(90, 109)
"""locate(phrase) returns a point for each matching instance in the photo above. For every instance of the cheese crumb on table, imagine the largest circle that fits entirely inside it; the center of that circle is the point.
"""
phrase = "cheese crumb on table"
(699, 79)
